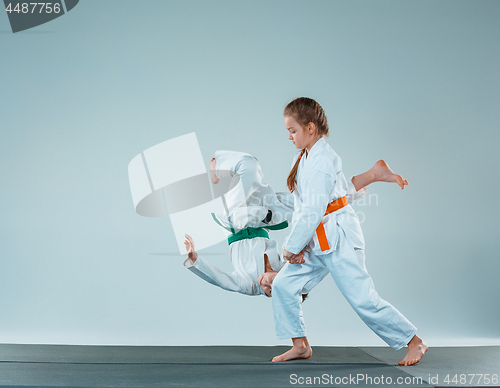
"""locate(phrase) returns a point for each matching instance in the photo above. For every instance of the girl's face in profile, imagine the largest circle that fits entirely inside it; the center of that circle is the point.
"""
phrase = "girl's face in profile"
(296, 133)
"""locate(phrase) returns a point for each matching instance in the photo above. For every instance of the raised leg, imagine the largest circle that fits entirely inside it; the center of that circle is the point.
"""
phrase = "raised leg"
(380, 172)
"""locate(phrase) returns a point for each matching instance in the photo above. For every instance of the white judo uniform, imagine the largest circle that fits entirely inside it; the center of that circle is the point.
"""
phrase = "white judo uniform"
(248, 202)
(320, 180)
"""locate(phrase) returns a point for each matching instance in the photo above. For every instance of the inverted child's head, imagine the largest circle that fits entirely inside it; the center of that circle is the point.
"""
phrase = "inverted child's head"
(266, 283)
(309, 116)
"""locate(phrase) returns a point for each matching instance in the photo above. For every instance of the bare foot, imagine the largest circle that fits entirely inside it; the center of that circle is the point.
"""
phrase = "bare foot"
(300, 349)
(383, 173)
(416, 350)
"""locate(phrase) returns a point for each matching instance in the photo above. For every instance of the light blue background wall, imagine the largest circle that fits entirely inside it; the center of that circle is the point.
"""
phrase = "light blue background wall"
(413, 82)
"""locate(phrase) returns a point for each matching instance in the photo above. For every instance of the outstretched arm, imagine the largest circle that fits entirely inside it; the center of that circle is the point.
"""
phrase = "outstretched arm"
(192, 255)
(213, 275)
(380, 172)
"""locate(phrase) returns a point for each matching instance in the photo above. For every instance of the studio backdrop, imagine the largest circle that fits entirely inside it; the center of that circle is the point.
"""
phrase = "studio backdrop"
(415, 83)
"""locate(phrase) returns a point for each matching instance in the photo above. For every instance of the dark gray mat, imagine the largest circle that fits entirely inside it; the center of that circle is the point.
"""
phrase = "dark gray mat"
(173, 354)
(469, 362)
(238, 366)
(200, 375)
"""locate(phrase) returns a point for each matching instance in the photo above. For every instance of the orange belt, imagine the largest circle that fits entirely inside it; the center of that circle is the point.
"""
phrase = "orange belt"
(320, 230)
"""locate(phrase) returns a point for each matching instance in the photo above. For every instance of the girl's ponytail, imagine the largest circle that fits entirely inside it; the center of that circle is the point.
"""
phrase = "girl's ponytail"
(290, 182)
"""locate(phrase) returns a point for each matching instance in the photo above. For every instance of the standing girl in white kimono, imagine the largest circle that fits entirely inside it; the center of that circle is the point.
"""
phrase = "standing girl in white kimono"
(326, 226)
(253, 207)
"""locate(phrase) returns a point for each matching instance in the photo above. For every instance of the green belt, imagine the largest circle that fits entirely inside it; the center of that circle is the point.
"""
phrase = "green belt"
(249, 232)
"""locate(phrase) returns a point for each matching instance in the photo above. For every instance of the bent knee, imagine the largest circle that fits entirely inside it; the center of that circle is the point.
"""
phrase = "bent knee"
(284, 289)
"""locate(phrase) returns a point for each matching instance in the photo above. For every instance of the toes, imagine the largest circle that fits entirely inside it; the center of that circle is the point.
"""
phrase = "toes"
(278, 358)
(400, 181)
(406, 362)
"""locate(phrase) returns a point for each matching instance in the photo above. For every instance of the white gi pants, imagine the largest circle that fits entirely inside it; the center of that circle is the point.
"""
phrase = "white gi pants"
(347, 267)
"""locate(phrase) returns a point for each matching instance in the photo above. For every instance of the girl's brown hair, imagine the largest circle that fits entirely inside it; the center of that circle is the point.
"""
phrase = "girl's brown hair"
(305, 110)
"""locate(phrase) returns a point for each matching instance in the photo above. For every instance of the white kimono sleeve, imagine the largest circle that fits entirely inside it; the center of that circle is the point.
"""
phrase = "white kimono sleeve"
(287, 199)
(315, 196)
(246, 167)
(213, 275)
(351, 193)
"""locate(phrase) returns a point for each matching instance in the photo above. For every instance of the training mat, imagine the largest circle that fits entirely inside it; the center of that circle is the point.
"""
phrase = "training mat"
(173, 354)
(196, 375)
(471, 363)
(236, 366)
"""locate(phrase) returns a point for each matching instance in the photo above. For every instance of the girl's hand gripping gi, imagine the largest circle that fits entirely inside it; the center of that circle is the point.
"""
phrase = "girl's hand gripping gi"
(292, 258)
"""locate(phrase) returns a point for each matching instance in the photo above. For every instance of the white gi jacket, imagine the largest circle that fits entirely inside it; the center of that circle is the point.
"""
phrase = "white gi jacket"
(248, 202)
(320, 173)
